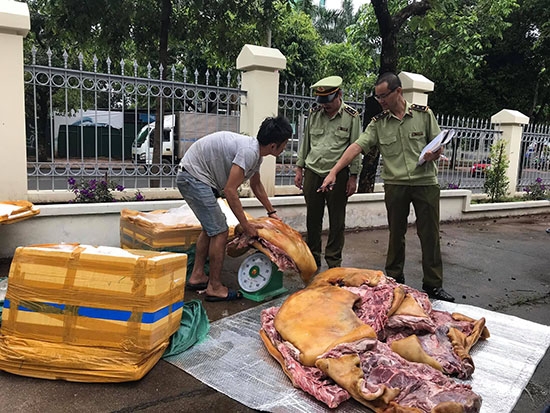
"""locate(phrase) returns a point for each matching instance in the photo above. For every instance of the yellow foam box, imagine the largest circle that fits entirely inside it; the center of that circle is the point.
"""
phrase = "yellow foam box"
(59, 361)
(174, 230)
(138, 230)
(94, 296)
(15, 211)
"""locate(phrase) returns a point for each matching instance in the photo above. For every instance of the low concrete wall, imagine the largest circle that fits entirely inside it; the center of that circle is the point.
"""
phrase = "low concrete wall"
(98, 224)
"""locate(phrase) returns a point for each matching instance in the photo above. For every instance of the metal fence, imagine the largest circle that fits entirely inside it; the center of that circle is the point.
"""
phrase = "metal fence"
(88, 124)
(467, 156)
(535, 156)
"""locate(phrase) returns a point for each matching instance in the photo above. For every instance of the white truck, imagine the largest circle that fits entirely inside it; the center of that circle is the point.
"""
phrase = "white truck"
(181, 130)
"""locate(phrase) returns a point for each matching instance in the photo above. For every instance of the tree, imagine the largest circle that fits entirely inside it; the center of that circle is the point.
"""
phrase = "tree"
(442, 40)
(496, 181)
(300, 43)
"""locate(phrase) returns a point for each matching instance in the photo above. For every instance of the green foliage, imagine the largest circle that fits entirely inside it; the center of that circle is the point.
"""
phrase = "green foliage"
(300, 43)
(450, 41)
(496, 181)
(348, 61)
(536, 191)
(94, 190)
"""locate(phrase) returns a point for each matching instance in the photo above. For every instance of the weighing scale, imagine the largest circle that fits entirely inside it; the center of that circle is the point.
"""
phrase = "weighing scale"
(259, 278)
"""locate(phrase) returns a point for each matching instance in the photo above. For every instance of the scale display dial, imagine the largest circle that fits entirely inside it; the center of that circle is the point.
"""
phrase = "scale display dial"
(255, 272)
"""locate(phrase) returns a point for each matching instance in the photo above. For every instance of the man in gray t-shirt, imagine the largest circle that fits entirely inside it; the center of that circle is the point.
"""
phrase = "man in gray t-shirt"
(221, 162)
(203, 161)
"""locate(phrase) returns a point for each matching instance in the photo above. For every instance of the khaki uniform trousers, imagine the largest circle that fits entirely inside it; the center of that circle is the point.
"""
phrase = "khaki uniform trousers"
(425, 200)
(336, 201)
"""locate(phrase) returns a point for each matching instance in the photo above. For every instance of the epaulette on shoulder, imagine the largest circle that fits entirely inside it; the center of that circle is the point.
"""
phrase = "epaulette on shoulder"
(351, 111)
(381, 115)
(419, 108)
(316, 108)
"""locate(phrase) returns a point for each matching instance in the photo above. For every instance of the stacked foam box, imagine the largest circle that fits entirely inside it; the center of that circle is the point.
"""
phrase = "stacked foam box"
(150, 231)
(15, 211)
(173, 230)
(84, 313)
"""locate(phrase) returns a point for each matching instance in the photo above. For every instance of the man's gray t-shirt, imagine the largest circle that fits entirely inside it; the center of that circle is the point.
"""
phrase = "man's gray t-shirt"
(211, 157)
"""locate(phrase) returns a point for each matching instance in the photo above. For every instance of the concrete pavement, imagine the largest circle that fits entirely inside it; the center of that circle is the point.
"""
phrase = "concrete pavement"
(501, 265)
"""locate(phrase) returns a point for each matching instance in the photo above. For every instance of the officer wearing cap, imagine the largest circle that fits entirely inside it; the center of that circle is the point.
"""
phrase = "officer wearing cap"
(400, 132)
(331, 127)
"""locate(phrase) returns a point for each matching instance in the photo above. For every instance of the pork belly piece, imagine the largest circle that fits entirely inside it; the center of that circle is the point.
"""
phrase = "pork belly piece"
(281, 243)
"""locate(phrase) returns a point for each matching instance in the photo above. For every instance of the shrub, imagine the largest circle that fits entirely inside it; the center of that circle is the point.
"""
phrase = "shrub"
(96, 190)
(496, 181)
(536, 191)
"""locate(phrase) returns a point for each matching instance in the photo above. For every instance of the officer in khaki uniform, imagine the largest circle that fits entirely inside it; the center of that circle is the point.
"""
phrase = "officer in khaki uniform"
(331, 127)
(401, 131)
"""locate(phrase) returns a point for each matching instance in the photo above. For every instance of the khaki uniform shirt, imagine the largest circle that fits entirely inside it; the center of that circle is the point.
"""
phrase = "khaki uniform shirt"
(400, 143)
(326, 139)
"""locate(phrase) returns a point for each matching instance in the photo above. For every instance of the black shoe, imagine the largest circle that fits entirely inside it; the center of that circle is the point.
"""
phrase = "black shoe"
(439, 293)
(400, 279)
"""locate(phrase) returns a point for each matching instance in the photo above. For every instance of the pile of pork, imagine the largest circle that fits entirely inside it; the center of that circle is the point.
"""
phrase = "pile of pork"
(353, 333)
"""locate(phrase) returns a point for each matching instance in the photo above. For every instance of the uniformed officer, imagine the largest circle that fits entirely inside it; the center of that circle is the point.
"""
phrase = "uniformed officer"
(401, 131)
(331, 127)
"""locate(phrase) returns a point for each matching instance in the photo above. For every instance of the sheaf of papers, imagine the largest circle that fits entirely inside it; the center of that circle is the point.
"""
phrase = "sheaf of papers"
(440, 140)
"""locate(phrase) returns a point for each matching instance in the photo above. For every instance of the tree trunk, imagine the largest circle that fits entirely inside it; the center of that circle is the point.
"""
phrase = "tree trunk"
(367, 176)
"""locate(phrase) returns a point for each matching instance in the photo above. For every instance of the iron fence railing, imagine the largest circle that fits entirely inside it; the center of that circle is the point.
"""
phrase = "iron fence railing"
(534, 156)
(86, 124)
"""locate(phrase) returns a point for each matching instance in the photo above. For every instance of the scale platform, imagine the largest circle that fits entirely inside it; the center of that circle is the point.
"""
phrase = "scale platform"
(259, 278)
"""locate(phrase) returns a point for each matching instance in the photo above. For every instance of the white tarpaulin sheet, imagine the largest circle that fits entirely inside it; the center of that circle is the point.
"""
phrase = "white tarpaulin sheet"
(234, 361)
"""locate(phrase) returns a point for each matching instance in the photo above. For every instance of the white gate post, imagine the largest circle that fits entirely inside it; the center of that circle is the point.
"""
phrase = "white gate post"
(14, 26)
(260, 79)
(511, 123)
(415, 87)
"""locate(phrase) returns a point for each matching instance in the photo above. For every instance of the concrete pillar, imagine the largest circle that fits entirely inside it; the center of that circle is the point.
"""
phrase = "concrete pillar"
(260, 79)
(511, 123)
(416, 87)
(15, 23)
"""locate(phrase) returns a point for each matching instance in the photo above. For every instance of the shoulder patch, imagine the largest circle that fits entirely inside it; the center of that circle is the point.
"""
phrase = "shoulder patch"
(381, 115)
(419, 108)
(351, 111)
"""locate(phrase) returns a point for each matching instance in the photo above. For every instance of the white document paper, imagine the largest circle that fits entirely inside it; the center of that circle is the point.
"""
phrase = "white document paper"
(444, 137)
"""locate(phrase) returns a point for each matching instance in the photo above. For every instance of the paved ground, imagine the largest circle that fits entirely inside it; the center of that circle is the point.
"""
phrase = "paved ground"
(501, 265)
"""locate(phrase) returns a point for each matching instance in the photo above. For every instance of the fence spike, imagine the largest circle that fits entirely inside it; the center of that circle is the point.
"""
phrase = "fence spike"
(33, 53)
(161, 71)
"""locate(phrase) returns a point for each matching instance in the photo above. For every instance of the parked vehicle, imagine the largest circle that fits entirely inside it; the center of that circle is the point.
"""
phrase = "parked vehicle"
(180, 131)
(479, 168)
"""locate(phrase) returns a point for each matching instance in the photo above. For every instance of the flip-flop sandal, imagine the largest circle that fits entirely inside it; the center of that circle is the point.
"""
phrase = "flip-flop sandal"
(232, 295)
(196, 287)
